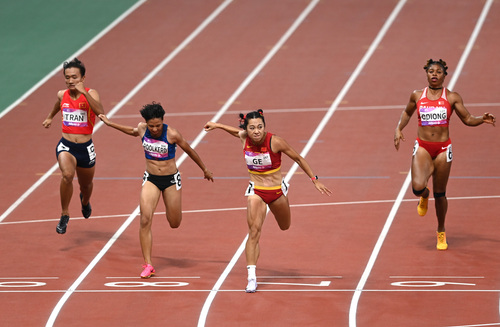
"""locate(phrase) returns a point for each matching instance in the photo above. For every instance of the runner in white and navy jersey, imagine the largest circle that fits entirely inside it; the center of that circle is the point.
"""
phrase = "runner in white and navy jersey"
(161, 177)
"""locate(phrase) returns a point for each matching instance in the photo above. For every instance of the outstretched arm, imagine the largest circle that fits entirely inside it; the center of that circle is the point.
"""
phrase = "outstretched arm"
(177, 138)
(468, 119)
(230, 129)
(134, 131)
(279, 144)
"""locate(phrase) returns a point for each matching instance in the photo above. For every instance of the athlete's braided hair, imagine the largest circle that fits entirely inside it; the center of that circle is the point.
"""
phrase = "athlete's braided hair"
(441, 62)
(251, 115)
(75, 63)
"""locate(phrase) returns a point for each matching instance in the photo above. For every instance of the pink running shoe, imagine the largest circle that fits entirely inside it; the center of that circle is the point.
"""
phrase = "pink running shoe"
(148, 271)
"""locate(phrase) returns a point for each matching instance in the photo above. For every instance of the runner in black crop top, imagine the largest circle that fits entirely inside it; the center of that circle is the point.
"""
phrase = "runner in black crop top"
(161, 179)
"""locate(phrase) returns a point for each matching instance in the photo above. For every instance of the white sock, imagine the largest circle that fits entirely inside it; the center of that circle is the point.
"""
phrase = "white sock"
(251, 271)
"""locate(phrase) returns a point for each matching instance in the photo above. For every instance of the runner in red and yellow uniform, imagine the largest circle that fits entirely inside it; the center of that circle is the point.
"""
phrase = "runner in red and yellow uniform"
(262, 151)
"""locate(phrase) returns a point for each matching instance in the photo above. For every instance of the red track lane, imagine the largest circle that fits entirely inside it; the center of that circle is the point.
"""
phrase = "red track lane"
(329, 241)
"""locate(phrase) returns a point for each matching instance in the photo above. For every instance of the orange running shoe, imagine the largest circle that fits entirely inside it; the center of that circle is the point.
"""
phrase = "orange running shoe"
(441, 241)
(422, 205)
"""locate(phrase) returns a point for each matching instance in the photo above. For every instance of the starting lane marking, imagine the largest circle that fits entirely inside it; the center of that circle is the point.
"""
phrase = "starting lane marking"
(431, 283)
(24, 281)
(417, 283)
(324, 283)
(148, 282)
(22, 284)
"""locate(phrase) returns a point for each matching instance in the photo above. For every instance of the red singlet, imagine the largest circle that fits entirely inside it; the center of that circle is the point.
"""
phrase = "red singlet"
(433, 112)
(261, 159)
(77, 116)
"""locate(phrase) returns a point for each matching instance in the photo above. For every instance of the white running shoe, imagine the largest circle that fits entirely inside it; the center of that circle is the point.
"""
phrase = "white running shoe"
(251, 286)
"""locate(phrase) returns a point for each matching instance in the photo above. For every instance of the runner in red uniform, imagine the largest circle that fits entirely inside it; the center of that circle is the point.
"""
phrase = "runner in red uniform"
(75, 151)
(262, 151)
(432, 154)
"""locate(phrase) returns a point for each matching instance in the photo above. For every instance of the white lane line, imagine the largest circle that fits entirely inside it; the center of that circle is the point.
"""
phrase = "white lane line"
(312, 140)
(44, 80)
(287, 111)
(72, 288)
(267, 58)
(406, 184)
(321, 204)
(324, 283)
(57, 70)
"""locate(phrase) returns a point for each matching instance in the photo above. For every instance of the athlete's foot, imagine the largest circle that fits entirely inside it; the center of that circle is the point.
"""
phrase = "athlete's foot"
(86, 209)
(422, 205)
(251, 286)
(441, 241)
(63, 224)
(148, 271)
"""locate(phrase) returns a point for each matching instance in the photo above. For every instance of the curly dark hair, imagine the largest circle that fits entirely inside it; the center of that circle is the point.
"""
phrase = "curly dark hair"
(259, 113)
(440, 62)
(75, 63)
(152, 110)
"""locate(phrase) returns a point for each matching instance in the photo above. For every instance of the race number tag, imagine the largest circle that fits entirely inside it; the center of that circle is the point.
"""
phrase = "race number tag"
(177, 179)
(449, 154)
(415, 147)
(91, 152)
(250, 189)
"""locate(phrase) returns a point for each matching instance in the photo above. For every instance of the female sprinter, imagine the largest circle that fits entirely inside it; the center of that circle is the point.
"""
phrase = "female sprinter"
(432, 153)
(75, 151)
(262, 151)
(161, 177)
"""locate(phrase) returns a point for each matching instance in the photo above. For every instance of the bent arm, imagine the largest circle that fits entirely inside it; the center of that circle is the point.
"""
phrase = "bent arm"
(48, 121)
(279, 144)
(405, 118)
(94, 101)
(177, 138)
(465, 116)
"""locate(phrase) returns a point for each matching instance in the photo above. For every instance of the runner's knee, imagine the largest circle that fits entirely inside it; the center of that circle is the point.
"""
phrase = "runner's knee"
(419, 192)
(438, 195)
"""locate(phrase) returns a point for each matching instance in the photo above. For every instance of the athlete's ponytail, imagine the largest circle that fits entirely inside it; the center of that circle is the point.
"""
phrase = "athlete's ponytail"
(251, 115)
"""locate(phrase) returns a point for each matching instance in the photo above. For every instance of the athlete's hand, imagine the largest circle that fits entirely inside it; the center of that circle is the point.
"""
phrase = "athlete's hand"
(47, 122)
(398, 136)
(322, 188)
(489, 118)
(80, 87)
(208, 175)
(104, 119)
(209, 126)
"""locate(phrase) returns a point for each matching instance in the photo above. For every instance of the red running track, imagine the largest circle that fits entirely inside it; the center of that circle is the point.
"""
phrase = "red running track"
(312, 274)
